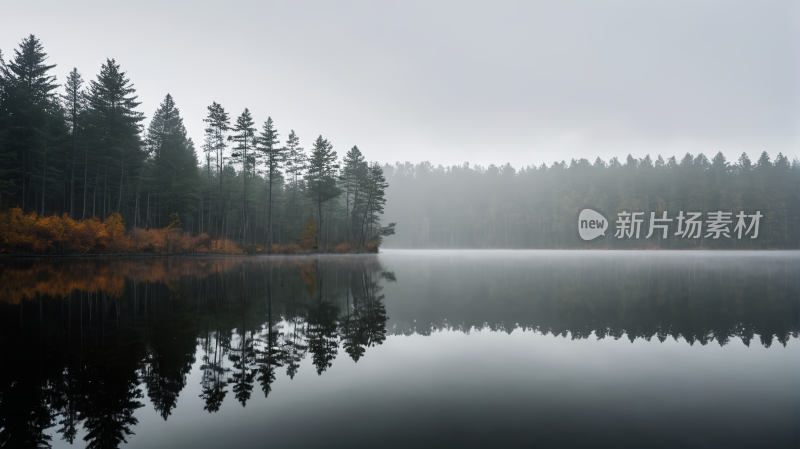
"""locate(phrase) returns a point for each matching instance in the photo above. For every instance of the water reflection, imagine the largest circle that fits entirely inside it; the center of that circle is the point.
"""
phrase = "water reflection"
(103, 333)
(696, 297)
(86, 340)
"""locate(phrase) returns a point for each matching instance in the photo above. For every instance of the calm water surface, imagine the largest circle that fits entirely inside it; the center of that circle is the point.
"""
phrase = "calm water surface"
(404, 349)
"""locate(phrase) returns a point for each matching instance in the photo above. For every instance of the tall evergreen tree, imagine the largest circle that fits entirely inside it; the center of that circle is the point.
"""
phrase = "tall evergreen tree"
(28, 110)
(74, 106)
(244, 136)
(320, 176)
(7, 185)
(374, 186)
(295, 164)
(113, 106)
(172, 154)
(218, 124)
(354, 171)
(274, 157)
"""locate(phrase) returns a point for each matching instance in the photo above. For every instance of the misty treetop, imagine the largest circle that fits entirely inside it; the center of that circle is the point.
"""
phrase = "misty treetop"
(82, 149)
(536, 207)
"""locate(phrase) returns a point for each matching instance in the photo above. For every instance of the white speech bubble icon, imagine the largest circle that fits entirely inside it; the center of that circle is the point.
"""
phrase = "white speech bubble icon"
(591, 224)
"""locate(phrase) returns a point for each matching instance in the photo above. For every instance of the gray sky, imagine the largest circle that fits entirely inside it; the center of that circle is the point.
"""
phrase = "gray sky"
(485, 82)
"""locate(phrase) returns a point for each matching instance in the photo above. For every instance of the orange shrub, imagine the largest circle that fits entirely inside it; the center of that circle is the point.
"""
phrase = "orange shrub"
(343, 248)
(290, 248)
(116, 240)
(223, 246)
(60, 234)
(175, 241)
(15, 230)
(308, 239)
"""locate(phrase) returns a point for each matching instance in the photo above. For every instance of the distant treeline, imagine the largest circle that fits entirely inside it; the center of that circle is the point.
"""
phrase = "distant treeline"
(81, 148)
(537, 207)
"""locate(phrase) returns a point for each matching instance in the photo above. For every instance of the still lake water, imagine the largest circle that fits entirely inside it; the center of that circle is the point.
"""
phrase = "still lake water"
(404, 349)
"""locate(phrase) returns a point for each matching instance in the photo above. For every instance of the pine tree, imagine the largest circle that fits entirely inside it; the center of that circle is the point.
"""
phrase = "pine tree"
(354, 171)
(295, 164)
(244, 136)
(28, 109)
(763, 161)
(218, 126)
(321, 183)
(113, 106)
(7, 161)
(274, 157)
(75, 104)
(172, 153)
(375, 186)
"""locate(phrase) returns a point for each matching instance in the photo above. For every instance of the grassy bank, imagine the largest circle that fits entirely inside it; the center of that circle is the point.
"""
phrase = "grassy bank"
(61, 235)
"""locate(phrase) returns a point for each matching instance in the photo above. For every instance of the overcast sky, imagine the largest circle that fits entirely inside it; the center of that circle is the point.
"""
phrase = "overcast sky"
(485, 82)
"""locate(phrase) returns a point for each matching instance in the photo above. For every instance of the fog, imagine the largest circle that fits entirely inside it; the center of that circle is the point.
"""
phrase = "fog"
(448, 82)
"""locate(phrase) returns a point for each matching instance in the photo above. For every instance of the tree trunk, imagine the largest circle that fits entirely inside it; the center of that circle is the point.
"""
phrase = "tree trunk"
(85, 178)
(136, 207)
(105, 189)
(362, 238)
(209, 200)
(244, 195)
(269, 213)
(121, 178)
(353, 214)
(319, 210)
(347, 212)
(72, 174)
(219, 213)
(294, 201)
(44, 174)
(94, 191)
(24, 191)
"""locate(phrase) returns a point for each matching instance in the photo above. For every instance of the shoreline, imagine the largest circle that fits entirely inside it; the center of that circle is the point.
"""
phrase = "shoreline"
(163, 256)
(201, 255)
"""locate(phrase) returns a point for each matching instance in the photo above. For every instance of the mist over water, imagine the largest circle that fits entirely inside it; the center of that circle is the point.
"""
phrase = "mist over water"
(406, 348)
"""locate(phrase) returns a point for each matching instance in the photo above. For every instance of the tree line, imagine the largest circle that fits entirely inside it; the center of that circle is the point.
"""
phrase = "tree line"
(463, 206)
(82, 148)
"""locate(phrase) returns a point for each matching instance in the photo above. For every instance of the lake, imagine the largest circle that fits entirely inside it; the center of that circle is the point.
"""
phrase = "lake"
(404, 349)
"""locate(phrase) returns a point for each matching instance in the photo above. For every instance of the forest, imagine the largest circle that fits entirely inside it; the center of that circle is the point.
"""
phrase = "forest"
(81, 148)
(462, 206)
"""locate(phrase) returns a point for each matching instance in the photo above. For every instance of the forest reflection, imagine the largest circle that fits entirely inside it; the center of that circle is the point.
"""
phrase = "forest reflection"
(89, 339)
(700, 297)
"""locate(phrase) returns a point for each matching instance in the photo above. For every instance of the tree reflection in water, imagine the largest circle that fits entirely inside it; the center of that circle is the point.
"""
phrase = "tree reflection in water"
(92, 337)
(87, 339)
